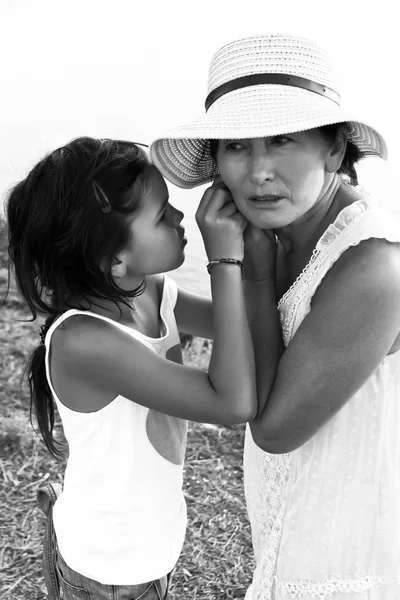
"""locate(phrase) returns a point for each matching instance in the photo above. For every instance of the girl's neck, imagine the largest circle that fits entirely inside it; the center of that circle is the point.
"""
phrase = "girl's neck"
(141, 312)
(107, 307)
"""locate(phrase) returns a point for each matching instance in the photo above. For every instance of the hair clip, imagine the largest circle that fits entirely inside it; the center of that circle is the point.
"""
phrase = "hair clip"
(101, 198)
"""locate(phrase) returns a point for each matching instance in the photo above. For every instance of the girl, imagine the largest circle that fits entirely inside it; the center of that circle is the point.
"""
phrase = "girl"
(91, 233)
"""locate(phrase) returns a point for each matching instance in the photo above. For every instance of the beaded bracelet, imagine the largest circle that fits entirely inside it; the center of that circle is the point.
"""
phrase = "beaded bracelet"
(229, 261)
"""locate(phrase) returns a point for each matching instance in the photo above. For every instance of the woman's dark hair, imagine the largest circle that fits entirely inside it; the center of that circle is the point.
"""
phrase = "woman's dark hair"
(329, 132)
(352, 154)
(67, 221)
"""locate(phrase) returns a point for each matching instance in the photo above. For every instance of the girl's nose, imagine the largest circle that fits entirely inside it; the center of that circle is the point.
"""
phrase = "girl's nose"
(177, 215)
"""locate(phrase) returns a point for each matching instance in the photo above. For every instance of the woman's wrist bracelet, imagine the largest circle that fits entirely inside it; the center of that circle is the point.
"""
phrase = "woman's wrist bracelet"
(229, 261)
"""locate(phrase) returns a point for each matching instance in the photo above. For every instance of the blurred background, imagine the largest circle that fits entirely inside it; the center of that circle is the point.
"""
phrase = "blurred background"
(131, 69)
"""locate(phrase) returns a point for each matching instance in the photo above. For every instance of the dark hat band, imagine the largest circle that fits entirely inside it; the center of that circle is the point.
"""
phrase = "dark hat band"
(275, 78)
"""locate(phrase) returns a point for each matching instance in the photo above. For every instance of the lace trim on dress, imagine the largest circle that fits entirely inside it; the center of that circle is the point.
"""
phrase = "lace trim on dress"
(266, 485)
(279, 495)
(336, 585)
(287, 313)
(316, 252)
(288, 304)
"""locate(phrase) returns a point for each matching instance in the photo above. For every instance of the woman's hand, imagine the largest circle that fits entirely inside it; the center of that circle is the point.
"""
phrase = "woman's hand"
(220, 223)
(259, 253)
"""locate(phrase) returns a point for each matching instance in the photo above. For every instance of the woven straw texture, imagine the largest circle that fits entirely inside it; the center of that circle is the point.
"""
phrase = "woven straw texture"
(183, 155)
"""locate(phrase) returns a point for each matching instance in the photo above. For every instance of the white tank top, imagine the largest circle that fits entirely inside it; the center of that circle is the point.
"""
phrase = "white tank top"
(121, 517)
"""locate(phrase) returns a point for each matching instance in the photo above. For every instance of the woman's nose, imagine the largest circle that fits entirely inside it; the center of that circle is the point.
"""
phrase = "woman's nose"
(261, 168)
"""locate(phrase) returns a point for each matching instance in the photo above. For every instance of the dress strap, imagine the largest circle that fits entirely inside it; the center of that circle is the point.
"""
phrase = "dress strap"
(360, 221)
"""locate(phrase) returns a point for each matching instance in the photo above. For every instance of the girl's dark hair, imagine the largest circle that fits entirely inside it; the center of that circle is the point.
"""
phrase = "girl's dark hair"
(62, 241)
(329, 132)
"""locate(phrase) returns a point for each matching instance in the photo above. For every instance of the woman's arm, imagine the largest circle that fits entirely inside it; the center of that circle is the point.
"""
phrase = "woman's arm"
(352, 326)
(262, 312)
(194, 314)
(259, 284)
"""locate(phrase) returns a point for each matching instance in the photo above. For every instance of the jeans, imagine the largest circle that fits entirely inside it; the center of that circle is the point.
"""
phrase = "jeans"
(78, 587)
(66, 584)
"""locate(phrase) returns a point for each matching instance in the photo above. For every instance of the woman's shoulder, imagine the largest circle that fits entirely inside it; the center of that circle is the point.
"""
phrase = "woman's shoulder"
(375, 257)
(363, 220)
(370, 270)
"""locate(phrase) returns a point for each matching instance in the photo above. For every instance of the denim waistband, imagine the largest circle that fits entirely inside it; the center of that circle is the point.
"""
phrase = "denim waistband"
(47, 494)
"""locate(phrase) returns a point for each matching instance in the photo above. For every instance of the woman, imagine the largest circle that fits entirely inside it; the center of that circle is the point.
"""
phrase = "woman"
(322, 284)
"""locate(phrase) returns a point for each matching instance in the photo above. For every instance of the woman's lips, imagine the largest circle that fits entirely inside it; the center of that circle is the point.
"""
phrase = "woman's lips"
(265, 199)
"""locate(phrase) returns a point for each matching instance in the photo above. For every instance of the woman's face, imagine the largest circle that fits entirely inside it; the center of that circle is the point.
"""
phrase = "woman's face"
(274, 181)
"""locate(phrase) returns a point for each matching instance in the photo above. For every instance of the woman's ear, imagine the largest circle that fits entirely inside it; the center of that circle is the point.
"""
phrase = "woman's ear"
(118, 268)
(337, 151)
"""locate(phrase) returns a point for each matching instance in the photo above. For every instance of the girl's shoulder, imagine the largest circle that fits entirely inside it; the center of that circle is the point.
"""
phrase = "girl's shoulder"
(89, 354)
(81, 331)
(79, 334)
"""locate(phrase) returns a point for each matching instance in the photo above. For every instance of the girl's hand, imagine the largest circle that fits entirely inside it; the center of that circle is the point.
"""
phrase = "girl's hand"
(259, 253)
(220, 223)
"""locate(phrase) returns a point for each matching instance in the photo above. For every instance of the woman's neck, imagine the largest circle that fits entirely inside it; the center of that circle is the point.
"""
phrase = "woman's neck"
(305, 232)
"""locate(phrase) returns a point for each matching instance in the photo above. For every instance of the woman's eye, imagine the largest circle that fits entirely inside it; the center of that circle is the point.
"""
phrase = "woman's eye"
(233, 146)
(280, 140)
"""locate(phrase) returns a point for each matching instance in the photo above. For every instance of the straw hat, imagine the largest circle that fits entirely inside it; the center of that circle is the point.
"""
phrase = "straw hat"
(259, 87)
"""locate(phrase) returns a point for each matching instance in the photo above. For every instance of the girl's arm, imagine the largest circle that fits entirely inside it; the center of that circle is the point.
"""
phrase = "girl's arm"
(124, 366)
(353, 325)
(194, 314)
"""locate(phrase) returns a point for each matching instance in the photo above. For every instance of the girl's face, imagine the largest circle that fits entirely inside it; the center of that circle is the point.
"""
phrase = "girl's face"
(157, 238)
(274, 181)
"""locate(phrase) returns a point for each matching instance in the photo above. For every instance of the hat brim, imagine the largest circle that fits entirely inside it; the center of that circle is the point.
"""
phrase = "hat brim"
(183, 154)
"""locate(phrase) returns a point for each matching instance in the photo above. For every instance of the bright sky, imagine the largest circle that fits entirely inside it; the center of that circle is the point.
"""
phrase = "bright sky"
(131, 68)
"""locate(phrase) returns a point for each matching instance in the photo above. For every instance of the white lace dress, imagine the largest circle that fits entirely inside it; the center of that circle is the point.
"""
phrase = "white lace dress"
(325, 518)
